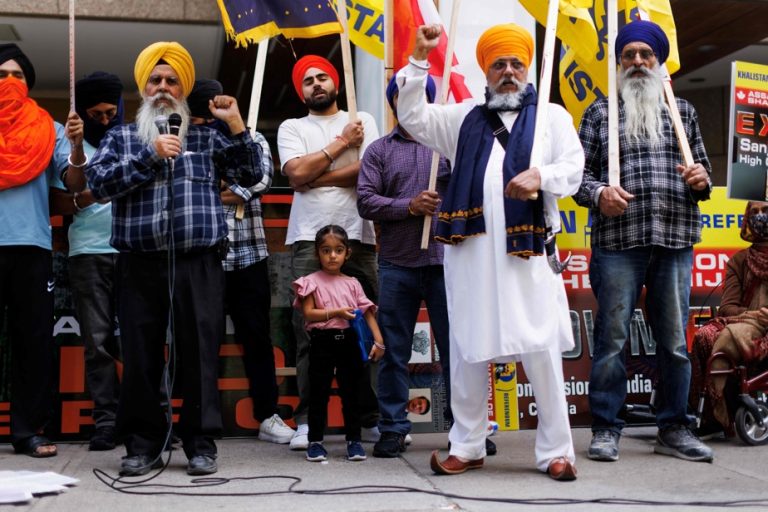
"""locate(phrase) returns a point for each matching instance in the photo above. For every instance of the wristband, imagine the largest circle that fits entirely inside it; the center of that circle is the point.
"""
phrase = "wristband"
(77, 166)
(379, 346)
(342, 139)
(326, 315)
(74, 201)
(411, 212)
(327, 155)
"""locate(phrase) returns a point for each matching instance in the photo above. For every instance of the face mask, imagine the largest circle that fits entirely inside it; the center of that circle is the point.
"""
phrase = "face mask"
(758, 223)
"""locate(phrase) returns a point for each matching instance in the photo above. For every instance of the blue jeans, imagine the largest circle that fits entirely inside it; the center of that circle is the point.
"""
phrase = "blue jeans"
(401, 290)
(617, 280)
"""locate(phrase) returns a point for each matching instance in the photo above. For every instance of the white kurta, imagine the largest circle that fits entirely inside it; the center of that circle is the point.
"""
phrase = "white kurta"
(499, 305)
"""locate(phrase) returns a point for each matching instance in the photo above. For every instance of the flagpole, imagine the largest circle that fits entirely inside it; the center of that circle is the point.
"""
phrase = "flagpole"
(614, 173)
(389, 56)
(72, 55)
(443, 98)
(545, 85)
(677, 122)
(346, 57)
(253, 107)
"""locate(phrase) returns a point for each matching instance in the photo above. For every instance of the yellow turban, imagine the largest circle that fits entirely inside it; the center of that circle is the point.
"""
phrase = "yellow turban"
(504, 41)
(171, 52)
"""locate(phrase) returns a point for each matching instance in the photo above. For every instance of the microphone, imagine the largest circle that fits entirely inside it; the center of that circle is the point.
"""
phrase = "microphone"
(162, 124)
(174, 122)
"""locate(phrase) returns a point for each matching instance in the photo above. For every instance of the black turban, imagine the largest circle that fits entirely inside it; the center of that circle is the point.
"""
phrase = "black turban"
(10, 51)
(98, 87)
(202, 92)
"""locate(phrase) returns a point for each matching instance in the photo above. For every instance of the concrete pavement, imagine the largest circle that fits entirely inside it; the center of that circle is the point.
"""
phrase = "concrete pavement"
(284, 478)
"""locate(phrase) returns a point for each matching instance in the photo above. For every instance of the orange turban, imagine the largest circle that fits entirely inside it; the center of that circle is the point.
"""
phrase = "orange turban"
(312, 61)
(174, 55)
(504, 41)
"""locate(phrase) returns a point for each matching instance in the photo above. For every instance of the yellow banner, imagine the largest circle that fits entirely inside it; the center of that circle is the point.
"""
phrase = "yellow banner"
(505, 397)
(751, 76)
(366, 25)
(720, 221)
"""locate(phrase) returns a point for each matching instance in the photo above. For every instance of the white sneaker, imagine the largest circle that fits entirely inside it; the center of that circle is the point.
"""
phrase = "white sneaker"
(275, 430)
(370, 435)
(300, 440)
(408, 439)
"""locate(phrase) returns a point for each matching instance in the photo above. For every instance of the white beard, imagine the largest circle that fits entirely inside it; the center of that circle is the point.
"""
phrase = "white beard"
(145, 116)
(643, 104)
(505, 101)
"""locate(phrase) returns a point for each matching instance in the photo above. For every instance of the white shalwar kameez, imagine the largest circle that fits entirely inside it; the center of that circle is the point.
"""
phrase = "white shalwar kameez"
(502, 307)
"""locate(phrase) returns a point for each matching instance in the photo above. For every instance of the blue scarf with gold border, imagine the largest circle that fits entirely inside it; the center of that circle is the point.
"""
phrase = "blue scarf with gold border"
(461, 212)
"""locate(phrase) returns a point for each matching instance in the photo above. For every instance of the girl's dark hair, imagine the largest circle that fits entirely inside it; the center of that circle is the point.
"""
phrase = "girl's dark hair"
(331, 229)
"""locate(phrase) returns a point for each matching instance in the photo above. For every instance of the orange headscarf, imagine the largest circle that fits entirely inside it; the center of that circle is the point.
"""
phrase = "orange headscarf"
(504, 41)
(27, 135)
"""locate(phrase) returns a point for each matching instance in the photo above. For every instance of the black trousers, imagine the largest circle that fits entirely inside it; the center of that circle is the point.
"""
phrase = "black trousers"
(143, 313)
(337, 349)
(248, 300)
(26, 300)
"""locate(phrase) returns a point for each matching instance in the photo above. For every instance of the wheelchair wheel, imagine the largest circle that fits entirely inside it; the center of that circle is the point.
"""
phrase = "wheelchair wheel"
(748, 429)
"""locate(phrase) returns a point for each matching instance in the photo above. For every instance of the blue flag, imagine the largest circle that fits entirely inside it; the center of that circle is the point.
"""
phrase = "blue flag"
(251, 21)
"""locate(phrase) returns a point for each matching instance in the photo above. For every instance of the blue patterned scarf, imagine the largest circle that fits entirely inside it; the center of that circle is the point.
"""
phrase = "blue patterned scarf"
(461, 213)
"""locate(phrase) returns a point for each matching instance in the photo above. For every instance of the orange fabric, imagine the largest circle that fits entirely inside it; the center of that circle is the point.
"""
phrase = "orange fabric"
(27, 135)
(312, 61)
(505, 40)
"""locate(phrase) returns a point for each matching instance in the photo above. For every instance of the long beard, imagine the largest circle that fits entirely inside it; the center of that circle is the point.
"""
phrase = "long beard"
(505, 101)
(643, 105)
(145, 116)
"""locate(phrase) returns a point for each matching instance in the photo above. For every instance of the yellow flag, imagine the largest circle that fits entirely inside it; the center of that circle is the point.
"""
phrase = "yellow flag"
(366, 25)
(659, 12)
(575, 26)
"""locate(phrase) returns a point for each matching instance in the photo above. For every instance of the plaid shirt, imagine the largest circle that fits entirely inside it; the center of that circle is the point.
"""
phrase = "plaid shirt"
(665, 210)
(247, 241)
(130, 174)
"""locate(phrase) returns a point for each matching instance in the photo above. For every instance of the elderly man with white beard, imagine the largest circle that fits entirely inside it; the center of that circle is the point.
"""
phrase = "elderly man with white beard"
(504, 301)
(643, 232)
(169, 227)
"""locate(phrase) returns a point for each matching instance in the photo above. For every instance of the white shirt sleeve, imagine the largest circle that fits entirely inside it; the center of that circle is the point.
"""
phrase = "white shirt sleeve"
(290, 145)
(435, 126)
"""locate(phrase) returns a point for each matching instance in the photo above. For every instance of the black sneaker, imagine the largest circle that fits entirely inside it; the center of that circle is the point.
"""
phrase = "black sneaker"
(202, 465)
(604, 446)
(389, 446)
(678, 441)
(138, 465)
(103, 439)
(490, 447)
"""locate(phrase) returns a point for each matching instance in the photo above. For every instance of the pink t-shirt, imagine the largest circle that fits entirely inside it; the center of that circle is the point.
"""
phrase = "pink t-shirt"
(331, 292)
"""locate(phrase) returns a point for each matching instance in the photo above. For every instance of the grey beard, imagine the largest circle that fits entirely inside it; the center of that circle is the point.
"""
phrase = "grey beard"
(643, 105)
(505, 101)
(145, 117)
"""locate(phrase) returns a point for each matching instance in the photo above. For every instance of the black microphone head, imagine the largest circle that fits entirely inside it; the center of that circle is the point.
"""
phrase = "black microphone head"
(174, 121)
(162, 124)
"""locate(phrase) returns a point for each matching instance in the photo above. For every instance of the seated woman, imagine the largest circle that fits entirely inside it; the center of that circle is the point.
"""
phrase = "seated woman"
(740, 327)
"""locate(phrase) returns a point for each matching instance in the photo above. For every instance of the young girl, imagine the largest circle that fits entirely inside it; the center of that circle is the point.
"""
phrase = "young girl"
(328, 298)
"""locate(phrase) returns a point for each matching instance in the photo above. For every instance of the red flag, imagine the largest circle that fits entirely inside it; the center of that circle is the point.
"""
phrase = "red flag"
(408, 16)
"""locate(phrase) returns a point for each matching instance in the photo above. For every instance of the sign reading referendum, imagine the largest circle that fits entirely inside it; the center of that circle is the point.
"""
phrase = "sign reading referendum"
(748, 133)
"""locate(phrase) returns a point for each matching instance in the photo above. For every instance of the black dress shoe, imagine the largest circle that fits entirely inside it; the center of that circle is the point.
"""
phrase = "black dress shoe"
(137, 465)
(103, 439)
(490, 447)
(202, 465)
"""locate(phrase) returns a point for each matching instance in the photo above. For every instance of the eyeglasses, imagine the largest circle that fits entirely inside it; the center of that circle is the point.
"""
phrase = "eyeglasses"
(15, 74)
(501, 65)
(646, 55)
(98, 115)
(156, 80)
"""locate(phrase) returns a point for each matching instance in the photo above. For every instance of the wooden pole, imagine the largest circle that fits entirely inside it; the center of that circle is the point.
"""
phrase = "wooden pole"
(253, 107)
(545, 85)
(677, 122)
(443, 98)
(389, 58)
(346, 57)
(72, 55)
(614, 173)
